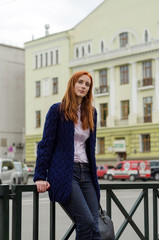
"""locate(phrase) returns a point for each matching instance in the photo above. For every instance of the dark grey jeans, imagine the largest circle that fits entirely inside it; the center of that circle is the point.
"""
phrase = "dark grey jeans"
(83, 204)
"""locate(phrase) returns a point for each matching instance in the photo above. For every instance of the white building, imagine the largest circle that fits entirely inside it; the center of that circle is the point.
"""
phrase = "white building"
(12, 102)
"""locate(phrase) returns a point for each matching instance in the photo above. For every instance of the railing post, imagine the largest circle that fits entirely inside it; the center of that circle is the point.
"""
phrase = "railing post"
(35, 215)
(146, 212)
(52, 221)
(109, 203)
(16, 214)
(155, 213)
(4, 212)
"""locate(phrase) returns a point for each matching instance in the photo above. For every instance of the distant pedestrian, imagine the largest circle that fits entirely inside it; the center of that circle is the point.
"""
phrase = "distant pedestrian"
(66, 162)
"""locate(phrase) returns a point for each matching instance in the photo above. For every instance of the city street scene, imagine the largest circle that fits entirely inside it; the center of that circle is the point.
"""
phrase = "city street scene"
(79, 105)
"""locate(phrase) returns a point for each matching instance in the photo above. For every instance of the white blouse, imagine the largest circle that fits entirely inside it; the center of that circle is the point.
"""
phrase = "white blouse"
(80, 137)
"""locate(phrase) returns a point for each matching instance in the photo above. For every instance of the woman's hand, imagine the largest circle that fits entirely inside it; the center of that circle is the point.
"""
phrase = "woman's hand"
(42, 186)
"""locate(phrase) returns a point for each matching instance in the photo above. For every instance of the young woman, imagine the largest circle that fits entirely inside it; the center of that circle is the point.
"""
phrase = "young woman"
(66, 162)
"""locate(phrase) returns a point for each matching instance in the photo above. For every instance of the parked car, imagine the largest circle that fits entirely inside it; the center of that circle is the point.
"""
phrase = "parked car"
(102, 170)
(25, 173)
(8, 173)
(31, 169)
(130, 169)
(22, 172)
(154, 164)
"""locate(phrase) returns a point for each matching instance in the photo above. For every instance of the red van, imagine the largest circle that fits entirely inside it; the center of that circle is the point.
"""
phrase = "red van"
(132, 170)
(102, 170)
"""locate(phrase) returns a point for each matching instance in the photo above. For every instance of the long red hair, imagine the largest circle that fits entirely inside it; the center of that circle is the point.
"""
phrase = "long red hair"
(69, 103)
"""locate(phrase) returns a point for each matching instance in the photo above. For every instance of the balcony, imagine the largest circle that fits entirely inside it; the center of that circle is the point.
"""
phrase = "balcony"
(147, 83)
(121, 122)
(144, 119)
(102, 90)
(102, 123)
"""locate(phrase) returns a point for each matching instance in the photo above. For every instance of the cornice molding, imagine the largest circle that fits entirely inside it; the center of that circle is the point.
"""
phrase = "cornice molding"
(118, 55)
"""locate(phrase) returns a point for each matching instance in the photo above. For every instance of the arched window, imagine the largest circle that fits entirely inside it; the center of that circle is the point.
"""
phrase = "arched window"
(146, 36)
(102, 46)
(83, 52)
(123, 39)
(77, 53)
(89, 48)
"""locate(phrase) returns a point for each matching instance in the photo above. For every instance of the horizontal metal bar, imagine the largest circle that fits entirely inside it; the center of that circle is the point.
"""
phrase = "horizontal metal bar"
(129, 186)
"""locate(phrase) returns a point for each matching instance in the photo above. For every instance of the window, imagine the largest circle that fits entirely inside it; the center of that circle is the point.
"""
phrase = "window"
(89, 49)
(147, 73)
(36, 62)
(147, 101)
(38, 89)
(57, 56)
(145, 138)
(83, 52)
(124, 109)
(124, 74)
(102, 46)
(103, 114)
(119, 166)
(46, 59)
(41, 60)
(103, 81)
(123, 39)
(77, 53)
(51, 58)
(8, 164)
(146, 36)
(37, 119)
(55, 85)
(101, 146)
(3, 142)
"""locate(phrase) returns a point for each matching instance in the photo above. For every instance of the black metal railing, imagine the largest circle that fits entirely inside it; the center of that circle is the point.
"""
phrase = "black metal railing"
(15, 195)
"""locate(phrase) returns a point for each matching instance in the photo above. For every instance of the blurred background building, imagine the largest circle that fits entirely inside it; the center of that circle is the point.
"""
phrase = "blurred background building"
(12, 102)
(118, 43)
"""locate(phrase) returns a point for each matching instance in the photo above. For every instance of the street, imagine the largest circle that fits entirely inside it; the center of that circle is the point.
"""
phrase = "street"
(127, 198)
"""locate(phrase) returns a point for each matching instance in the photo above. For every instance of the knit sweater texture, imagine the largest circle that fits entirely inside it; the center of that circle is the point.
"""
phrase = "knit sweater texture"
(55, 155)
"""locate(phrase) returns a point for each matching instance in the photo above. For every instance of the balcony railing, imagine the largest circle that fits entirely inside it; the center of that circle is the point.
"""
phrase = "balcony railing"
(121, 122)
(144, 119)
(101, 89)
(147, 82)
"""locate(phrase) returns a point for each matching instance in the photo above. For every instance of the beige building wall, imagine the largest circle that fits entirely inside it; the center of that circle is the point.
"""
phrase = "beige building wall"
(94, 45)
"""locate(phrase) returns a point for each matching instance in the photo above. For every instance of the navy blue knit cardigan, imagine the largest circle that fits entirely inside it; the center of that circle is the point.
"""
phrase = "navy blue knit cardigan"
(55, 155)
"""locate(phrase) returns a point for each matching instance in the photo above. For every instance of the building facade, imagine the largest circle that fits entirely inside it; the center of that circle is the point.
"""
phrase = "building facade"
(121, 51)
(12, 102)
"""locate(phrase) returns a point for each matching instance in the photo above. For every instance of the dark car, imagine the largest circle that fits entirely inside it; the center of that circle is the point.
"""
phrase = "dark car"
(102, 170)
(154, 169)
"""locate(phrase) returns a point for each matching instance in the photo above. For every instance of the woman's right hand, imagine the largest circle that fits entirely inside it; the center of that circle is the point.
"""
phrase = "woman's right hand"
(42, 186)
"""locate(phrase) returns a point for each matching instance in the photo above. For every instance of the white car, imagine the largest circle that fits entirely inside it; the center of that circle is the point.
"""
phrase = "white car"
(8, 174)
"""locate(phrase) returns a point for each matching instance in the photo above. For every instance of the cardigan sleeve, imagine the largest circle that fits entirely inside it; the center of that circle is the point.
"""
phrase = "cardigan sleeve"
(46, 145)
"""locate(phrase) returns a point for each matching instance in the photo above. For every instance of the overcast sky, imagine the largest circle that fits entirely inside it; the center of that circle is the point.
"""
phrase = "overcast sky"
(22, 19)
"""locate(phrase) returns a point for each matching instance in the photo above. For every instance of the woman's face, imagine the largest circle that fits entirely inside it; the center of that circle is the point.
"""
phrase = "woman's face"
(82, 87)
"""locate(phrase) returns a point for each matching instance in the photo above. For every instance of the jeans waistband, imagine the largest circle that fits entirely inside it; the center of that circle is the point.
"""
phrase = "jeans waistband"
(82, 165)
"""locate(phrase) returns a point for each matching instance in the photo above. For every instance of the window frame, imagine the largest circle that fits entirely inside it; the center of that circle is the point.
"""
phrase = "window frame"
(37, 89)
(123, 39)
(146, 143)
(55, 85)
(101, 145)
(103, 80)
(38, 119)
(124, 74)
(146, 106)
(147, 73)
(125, 106)
(103, 114)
